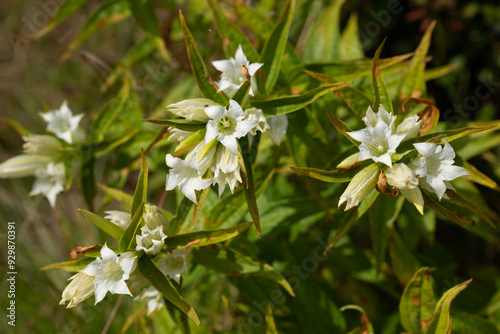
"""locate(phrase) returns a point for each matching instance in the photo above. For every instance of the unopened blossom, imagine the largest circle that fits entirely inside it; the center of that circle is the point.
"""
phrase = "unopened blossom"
(227, 125)
(192, 109)
(110, 272)
(349, 161)
(41, 145)
(403, 178)
(62, 123)
(80, 288)
(277, 128)
(119, 218)
(435, 167)
(23, 165)
(153, 218)
(175, 264)
(150, 241)
(360, 186)
(226, 169)
(50, 181)
(232, 77)
(409, 127)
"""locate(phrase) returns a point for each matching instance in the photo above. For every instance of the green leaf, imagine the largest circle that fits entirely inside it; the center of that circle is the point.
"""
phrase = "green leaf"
(418, 303)
(464, 203)
(160, 282)
(88, 182)
(117, 194)
(404, 263)
(441, 323)
(464, 323)
(181, 124)
(477, 176)
(127, 239)
(111, 11)
(204, 238)
(192, 140)
(412, 82)
(103, 224)
(446, 210)
(322, 44)
(270, 324)
(288, 104)
(232, 33)
(71, 266)
(141, 189)
(207, 90)
(350, 45)
(341, 127)
(249, 187)
(438, 72)
(241, 94)
(380, 93)
(66, 8)
(21, 130)
(274, 48)
(381, 222)
(336, 175)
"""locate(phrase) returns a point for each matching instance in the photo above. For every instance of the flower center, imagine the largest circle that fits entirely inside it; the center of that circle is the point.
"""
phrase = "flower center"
(113, 271)
(378, 147)
(227, 125)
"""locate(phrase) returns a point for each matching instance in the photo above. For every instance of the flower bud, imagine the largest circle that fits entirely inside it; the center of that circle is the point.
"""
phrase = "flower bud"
(360, 186)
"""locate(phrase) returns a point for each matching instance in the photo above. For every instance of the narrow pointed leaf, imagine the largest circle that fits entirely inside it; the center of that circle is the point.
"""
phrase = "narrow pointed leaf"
(71, 266)
(181, 124)
(341, 127)
(103, 224)
(249, 188)
(241, 94)
(127, 240)
(141, 189)
(66, 8)
(446, 210)
(118, 195)
(350, 47)
(336, 175)
(380, 93)
(270, 324)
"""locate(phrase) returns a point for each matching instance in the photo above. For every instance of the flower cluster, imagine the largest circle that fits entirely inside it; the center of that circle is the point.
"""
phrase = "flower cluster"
(43, 154)
(431, 170)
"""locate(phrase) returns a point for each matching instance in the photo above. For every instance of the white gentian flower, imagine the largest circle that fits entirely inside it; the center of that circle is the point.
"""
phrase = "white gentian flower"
(360, 186)
(50, 181)
(409, 127)
(232, 77)
(62, 122)
(254, 114)
(119, 218)
(175, 264)
(80, 288)
(150, 241)
(227, 125)
(226, 170)
(277, 128)
(23, 165)
(180, 135)
(435, 166)
(111, 272)
(192, 109)
(41, 145)
(186, 176)
(402, 177)
(372, 119)
(153, 298)
(153, 218)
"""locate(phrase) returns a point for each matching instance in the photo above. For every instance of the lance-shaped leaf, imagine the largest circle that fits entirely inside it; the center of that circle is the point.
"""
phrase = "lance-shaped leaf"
(160, 282)
(446, 210)
(88, 182)
(418, 303)
(270, 324)
(404, 263)
(441, 323)
(198, 67)
(204, 238)
(241, 94)
(66, 8)
(181, 124)
(111, 11)
(71, 266)
(117, 194)
(464, 203)
(288, 104)
(341, 127)
(476, 175)
(103, 224)
(380, 93)
(127, 240)
(249, 186)
(192, 140)
(141, 189)
(336, 175)
(438, 72)
(350, 47)
(145, 16)
(232, 33)
(230, 262)
(274, 48)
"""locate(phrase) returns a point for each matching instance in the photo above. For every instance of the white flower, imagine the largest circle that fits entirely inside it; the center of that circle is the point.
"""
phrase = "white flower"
(186, 176)
(180, 135)
(62, 122)
(120, 218)
(153, 298)
(402, 177)
(409, 127)
(372, 119)
(435, 166)
(23, 165)
(277, 128)
(153, 218)
(227, 125)
(226, 170)
(232, 77)
(150, 241)
(175, 264)
(80, 288)
(111, 272)
(192, 109)
(360, 186)
(50, 181)
(349, 161)
(254, 114)
(41, 145)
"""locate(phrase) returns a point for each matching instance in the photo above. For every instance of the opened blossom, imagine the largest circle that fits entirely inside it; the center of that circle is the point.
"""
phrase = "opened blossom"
(150, 240)
(175, 264)
(62, 123)
(50, 181)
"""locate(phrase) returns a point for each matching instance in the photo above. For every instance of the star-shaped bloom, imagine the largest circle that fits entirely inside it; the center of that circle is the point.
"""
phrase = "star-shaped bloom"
(227, 125)
(435, 166)
(175, 264)
(50, 181)
(110, 272)
(232, 77)
(254, 114)
(62, 122)
(150, 241)
(80, 288)
(360, 186)
(186, 175)
(402, 177)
